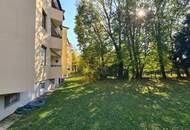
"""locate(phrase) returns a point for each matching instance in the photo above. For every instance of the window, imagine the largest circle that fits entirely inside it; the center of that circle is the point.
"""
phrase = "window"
(42, 85)
(11, 99)
(43, 55)
(44, 20)
(53, 4)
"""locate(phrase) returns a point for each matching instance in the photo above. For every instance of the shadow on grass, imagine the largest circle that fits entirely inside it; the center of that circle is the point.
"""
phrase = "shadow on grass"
(113, 105)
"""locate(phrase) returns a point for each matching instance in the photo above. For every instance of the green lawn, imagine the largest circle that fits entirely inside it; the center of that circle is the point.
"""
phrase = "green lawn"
(113, 105)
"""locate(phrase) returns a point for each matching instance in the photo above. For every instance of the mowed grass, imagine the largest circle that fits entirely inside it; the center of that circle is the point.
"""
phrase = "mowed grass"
(113, 105)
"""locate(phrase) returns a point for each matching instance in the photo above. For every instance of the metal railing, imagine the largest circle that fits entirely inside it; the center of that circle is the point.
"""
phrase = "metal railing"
(56, 32)
(56, 65)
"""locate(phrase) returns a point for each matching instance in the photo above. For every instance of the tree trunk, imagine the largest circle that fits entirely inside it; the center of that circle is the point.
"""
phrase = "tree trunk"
(160, 51)
(187, 72)
(141, 72)
(120, 70)
(178, 72)
(160, 58)
(155, 75)
(120, 65)
(162, 68)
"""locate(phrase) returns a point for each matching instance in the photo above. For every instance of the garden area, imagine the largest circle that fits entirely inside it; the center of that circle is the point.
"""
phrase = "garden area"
(113, 105)
(135, 58)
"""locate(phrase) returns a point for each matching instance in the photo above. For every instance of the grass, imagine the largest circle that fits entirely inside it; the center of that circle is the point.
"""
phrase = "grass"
(113, 105)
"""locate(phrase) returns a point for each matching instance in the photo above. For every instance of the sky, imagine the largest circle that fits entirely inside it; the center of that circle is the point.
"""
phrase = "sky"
(70, 11)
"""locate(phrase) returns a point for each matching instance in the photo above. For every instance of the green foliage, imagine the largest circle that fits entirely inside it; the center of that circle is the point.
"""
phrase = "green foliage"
(181, 53)
(93, 41)
(115, 40)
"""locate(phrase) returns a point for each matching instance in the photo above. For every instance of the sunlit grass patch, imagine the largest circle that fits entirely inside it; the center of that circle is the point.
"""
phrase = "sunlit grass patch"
(113, 105)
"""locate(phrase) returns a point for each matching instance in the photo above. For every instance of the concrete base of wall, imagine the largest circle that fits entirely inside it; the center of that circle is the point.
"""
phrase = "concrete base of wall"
(4, 112)
(25, 97)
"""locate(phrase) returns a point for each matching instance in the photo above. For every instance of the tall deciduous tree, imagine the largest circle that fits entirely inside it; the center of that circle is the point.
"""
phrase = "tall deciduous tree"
(91, 37)
(131, 32)
(181, 54)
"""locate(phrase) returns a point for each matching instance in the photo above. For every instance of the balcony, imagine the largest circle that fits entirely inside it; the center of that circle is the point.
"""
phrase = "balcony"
(56, 37)
(55, 72)
(56, 31)
(55, 43)
(55, 53)
(57, 15)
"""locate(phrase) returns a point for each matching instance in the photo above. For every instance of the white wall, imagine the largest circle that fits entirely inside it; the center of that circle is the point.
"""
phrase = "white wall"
(17, 37)
(25, 97)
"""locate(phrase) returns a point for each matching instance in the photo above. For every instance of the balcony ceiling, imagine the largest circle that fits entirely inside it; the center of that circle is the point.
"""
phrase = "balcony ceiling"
(57, 5)
(55, 53)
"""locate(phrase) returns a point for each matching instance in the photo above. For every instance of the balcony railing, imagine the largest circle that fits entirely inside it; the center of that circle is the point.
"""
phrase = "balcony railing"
(56, 52)
(55, 72)
(55, 43)
(56, 32)
(57, 15)
(56, 65)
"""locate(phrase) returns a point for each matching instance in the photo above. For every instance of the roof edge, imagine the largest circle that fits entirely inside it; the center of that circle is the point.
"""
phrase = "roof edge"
(59, 4)
(65, 27)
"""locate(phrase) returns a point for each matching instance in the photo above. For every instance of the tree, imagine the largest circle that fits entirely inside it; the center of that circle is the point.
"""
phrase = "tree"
(91, 37)
(110, 15)
(181, 54)
(123, 36)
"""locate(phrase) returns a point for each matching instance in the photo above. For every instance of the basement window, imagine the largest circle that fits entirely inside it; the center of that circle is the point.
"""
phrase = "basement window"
(44, 20)
(11, 99)
(42, 85)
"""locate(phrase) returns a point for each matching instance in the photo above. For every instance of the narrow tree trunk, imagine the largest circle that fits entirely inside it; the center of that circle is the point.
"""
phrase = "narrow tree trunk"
(160, 54)
(135, 60)
(141, 72)
(120, 65)
(155, 74)
(103, 71)
(187, 72)
(162, 68)
(178, 72)
(131, 58)
(120, 70)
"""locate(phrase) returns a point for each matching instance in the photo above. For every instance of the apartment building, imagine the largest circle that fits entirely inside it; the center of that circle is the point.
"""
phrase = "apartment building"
(48, 45)
(67, 51)
(75, 61)
(30, 51)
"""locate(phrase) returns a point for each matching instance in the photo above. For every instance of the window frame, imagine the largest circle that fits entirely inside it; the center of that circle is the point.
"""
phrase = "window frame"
(44, 19)
(44, 52)
(15, 97)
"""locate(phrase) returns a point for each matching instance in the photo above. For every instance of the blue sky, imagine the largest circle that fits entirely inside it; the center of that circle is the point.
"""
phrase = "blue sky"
(70, 11)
